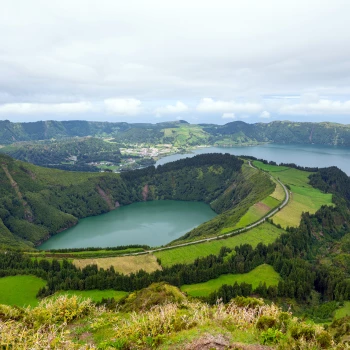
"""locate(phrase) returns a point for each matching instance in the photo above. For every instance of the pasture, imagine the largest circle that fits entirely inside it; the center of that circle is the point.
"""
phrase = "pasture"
(303, 198)
(123, 264)
(263, 273)
(20, 290)
(265, 233)
(256, 212)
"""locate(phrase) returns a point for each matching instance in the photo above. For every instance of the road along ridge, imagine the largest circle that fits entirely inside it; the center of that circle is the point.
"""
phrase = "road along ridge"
(229, 234)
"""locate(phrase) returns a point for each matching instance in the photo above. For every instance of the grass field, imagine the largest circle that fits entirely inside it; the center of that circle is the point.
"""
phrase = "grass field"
(269, 168)
(263, 273)
(279, 192)
(94, 295)
(184, 136)
(256, 212)
(123, 264)
(304, 198)
(265, 233)
(20, 290)
(343, 311)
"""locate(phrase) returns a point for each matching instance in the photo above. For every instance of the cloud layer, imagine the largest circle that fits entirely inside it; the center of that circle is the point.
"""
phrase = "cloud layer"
(199, 60)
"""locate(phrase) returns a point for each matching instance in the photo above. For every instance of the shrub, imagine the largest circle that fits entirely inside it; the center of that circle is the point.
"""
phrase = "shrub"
(266, 322)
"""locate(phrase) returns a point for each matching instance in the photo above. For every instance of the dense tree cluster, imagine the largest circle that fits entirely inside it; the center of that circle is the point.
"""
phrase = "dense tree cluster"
(68, 154)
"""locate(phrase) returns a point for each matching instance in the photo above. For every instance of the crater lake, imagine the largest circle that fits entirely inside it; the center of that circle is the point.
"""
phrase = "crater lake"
(153, 223)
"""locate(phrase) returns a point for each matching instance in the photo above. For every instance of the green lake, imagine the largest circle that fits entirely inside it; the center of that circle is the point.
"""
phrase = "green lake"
(153, 223)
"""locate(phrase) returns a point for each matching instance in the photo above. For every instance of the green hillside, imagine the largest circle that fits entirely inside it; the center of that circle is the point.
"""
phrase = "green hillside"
(37, 202)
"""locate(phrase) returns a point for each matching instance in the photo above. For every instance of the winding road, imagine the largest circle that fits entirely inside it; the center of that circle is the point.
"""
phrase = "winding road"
(226, 235)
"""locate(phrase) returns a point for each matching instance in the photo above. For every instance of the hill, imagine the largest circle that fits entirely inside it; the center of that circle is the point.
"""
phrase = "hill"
(181, 133)
(38, 202)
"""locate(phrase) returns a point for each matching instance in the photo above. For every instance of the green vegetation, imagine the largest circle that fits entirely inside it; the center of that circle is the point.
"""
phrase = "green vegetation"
(261, 274)
(72, 154)
(181, 132)
(303, 198)
(37, 202)
(155, 294)
(20, 290)
(256, 212)
(343, 311)
(250, 187)
(95, 295)
(75, 323)
(265, 233)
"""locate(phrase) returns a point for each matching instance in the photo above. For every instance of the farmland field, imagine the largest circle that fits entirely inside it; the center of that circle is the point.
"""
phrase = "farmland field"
(303, 198)
(256, 212)
(20, 290)
(123, 264)
(265, 233)
(261, 274)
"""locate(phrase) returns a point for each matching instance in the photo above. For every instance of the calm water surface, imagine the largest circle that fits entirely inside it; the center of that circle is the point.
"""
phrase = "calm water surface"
(304, 155)
(153, 223)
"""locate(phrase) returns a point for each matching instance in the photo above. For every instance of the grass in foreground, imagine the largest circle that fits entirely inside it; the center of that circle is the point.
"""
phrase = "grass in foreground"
(304, 197)
(123, 264)
(73, 323)
(263, 273)
(265, 233)
(20, 290)
(95, 294)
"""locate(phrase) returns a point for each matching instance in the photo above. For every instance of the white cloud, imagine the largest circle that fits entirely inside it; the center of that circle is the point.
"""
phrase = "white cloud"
(179, 107)
(265, 114)
(93, 51)
(123, 106)
(45, 108)
(320, 107)
(228, 116)
(208, 105)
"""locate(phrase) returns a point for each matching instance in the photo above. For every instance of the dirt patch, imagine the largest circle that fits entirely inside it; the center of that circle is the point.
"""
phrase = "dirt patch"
(104, 195)
(123, 264)
(262, 207)
(220, 342)
(208, 342)
(145, 191)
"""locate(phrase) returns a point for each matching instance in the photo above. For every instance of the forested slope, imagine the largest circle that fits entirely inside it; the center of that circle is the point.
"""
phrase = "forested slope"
(37, 202)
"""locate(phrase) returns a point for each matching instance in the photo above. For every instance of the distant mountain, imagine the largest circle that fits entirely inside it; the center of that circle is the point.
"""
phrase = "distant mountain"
(181, 133)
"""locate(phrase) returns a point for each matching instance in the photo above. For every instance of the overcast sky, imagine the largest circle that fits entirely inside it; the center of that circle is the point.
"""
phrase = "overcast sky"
(202, 61)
